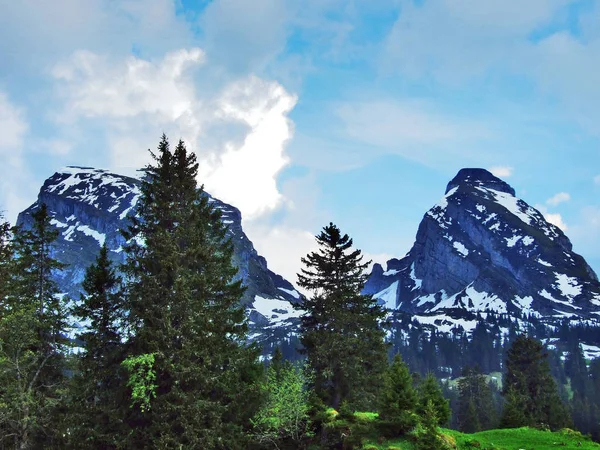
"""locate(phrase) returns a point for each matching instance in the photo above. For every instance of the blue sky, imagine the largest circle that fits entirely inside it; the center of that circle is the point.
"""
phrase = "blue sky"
(301, 113)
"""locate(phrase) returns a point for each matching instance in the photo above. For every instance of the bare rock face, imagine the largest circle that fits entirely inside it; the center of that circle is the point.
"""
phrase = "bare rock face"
(90, 206)
(483, 250)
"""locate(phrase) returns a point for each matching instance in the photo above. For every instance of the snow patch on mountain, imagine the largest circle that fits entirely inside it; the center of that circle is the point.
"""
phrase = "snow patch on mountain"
(590, 351)
(388, 296)
(511, 241)
(460, 248)
(569, 286)
(293, 292)
(275, 310)
(472, 300)
(445, 323)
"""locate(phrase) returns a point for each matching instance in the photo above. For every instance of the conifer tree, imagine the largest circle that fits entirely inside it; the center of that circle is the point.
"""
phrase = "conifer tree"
(530, 389)
(340, 331)
(6, 255)
(430, 390)
(429, 438)
(32, 341)
(200, 380)
(398, 401)
(97, 386)
(476, 410)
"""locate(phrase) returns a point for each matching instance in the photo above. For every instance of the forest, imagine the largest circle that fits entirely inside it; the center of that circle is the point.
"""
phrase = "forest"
(164, 361)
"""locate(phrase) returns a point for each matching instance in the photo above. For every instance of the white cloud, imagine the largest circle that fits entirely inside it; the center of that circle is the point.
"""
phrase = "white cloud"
(282, 246)
(15, 184)
(254, 166)
(100, 87)
(238, 130)
(556, 219)
(12, 127)
(553, 218)
(558, 198)
(458, 40)
(466, 41)
(376, 258)
(501, 171)
(55, 29)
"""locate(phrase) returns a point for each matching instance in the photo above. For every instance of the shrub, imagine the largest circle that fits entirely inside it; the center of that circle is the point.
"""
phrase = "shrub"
(448, 440)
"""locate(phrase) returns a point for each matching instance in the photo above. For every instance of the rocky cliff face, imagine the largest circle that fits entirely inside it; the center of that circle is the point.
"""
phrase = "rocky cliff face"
(481, 249)
(89, 206)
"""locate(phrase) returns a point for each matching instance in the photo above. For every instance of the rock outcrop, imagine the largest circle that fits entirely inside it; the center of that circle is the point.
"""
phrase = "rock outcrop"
(481, 249)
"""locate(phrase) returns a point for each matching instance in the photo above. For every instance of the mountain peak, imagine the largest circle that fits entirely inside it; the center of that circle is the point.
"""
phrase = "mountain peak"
(480, 178)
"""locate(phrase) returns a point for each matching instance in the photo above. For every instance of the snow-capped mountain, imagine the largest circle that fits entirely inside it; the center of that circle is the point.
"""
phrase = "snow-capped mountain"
(89, 206)
(483, 250)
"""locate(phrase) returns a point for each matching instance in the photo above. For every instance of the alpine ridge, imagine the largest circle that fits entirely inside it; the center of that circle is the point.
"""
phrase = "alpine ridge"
(482, 250)
(90, 206)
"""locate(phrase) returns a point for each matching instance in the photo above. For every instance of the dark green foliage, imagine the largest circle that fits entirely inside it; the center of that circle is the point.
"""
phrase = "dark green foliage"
(97, 385)
(184, 310)
(427, 435)
(32, 341)
(340, 331)
(476, 409)
(430, 390)
(530, 391)
(398, 400)
(5, 257)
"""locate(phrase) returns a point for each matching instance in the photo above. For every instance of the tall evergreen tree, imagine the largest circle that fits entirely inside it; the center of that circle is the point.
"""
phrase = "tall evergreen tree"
(6, 255)
(476, 409)
(430, 390)
(398, 401)
(341, 332)
(189, 331)
(32, 341)
(530, 389)
(97, 386)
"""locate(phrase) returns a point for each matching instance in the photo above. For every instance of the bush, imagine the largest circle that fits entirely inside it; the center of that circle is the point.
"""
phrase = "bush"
(399, 425)
(448, 440)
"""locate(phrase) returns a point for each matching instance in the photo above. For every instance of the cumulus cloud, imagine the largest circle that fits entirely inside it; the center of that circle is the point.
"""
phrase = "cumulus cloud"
(501, 171)
(56, 28)
(254, 165)
(558, 198)
(282, 246)
(458, 40)
(238, 130)
(556, 219)
(14, 176)
(553, 218)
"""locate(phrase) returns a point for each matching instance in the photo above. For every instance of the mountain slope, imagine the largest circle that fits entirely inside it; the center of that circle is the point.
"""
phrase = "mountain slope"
(89, 206)
(483, 250)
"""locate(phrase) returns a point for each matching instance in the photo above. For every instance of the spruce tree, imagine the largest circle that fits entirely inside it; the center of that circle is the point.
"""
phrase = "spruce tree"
(97, 386)
(529, 387)
(6, 256)
(429, 437)
(340, 331)
(32, 341)
(476, 409)
(194, 381)
(430, 390)
(398, 401)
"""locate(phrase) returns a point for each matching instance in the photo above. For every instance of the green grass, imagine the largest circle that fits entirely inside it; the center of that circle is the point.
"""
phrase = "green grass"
(509, 439)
